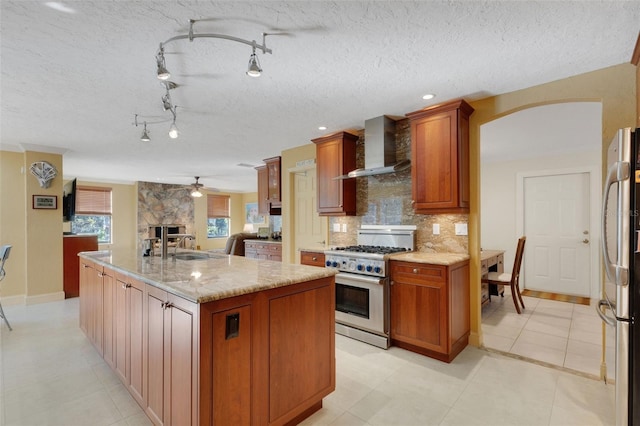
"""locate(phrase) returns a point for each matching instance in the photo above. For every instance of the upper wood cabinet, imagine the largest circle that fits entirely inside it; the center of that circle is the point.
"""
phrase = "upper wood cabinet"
(440, 158)
(263, 190)
(336, 156)
(273, 182)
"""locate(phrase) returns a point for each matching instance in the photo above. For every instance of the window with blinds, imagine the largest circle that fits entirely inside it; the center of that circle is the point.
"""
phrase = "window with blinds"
(93, 212)
(218, 216)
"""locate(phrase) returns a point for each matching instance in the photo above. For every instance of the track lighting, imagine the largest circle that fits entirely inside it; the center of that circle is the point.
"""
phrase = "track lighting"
(254, 69)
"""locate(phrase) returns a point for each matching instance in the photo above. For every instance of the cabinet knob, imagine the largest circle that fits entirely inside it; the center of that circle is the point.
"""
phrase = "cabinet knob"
(415, 270)
(391, 282)
(314, 258)
(166, 305)
(84, 265)
(125, 286)
(100, 274)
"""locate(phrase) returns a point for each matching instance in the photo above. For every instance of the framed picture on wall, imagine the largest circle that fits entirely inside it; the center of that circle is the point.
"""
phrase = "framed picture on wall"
(251, 214)
(45, 202)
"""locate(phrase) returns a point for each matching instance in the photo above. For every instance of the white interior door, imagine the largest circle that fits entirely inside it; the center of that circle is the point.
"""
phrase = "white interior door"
(556, 224)
(310, 228)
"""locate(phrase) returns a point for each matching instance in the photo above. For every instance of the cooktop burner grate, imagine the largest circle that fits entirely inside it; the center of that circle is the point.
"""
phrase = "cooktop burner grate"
(371, 249)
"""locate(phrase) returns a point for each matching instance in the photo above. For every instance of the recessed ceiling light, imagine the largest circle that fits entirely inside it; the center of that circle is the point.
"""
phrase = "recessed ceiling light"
(60, 7)
(428, 96)
(322, 128)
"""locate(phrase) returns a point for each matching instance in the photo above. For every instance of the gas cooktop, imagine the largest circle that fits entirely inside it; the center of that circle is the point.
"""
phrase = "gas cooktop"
(370, 249)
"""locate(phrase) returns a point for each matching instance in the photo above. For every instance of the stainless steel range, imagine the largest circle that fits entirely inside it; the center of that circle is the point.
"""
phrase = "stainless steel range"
(362, 283)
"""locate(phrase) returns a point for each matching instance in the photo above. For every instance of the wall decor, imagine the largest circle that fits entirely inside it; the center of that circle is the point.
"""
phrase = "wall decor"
(251, 214)
(44, 172)
(45, 202)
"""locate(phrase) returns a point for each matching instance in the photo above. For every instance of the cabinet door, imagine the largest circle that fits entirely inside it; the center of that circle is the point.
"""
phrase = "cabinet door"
(85, 292)
(336, 156)
(95, 309)
(274, 181)
(120, 321)
(231, 367)
(263, 190)
(172, 364)
(154, 382)
(135, 340)
(419, 313)
(440, 158)
(108, 316)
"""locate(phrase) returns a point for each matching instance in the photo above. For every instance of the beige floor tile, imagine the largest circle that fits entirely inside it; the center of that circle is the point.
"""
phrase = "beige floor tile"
(500, 343)
(543, 339)
(537, 352)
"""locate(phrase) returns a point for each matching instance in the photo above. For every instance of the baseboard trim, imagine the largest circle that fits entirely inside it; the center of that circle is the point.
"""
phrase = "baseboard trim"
(13, 300)
(44, 298)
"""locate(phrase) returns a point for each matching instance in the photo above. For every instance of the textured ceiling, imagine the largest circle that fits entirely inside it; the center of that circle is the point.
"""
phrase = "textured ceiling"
(72, 82)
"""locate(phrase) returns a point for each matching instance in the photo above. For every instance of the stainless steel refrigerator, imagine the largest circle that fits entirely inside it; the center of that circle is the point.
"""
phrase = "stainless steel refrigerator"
(621, 252)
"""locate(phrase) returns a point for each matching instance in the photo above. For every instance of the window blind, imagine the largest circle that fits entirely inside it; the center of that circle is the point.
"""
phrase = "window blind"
(92, 200)
(217, 206)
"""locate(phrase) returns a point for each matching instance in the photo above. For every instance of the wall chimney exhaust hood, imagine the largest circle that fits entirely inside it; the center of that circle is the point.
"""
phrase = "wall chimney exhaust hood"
(379, 149)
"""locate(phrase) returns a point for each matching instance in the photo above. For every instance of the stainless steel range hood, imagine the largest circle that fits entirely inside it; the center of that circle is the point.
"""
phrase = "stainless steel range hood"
(379, 149)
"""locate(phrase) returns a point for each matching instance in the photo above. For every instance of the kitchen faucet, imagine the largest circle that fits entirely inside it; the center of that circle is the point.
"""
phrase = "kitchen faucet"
(164, 240)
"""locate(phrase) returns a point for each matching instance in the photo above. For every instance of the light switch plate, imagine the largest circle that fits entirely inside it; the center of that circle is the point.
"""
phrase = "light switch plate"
(461, 229)
(436, 229)
(336, 227)
(344, 227)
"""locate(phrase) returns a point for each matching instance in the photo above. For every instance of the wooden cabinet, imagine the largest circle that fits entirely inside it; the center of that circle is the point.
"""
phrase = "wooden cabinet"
(171, 376)
(71, 246)
(263, 250)
(108, 316)
(91, 306)
(273, 355)
(264, 358)
(263, 190)
(440, 158)
(336, 156)
(269, 184)
(430, 308)
(128, 326)
(273, 184)
(312, 258)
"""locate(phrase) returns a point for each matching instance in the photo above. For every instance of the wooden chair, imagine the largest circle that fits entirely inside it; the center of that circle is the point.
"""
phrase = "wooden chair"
(4, 255)
(512, 279)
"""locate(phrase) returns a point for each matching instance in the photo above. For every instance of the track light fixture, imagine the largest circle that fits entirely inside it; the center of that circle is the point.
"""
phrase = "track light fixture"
(254, 69)
(173, 130)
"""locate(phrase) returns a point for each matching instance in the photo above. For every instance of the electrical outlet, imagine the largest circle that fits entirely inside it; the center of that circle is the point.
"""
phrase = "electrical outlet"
(436, 229)
(344, 227)
(461, 229)
(336, 227)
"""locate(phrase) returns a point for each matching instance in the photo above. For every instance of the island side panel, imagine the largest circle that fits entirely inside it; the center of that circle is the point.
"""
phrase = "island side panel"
(281, 362)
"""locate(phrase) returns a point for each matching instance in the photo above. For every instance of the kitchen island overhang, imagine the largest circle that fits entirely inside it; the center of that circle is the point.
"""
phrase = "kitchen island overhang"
(253, 340)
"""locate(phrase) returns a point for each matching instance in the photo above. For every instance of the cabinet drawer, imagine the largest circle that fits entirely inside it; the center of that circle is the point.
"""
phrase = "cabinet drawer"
(500, 265)
(312, 258)
(417, 273)
(275, 248)
(484, 268)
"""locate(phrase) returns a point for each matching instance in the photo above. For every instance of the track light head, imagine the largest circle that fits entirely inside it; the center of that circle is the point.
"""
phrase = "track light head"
(254, 69)
(163, 72)
(173, 131)
(145, 136)
(166, 102)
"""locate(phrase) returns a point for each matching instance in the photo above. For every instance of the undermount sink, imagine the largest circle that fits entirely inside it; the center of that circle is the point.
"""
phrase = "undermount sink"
(190, 256)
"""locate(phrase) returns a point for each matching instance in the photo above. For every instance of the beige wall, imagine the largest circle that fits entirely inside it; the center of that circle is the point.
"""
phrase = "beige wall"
(34, 269)
(13, 207)
(614, 87)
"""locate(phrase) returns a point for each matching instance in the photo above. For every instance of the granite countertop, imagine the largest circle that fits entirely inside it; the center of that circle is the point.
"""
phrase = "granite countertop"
(204, 280)
(431, 258)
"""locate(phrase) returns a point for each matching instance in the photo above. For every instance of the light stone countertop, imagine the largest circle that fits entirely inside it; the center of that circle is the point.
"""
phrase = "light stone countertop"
(431, 258)
(218, 277)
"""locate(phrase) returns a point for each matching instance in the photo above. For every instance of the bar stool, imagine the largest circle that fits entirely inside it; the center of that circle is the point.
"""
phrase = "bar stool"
(4, 255)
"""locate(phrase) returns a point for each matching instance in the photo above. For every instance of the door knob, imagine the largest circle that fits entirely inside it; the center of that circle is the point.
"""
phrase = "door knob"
(585, 241)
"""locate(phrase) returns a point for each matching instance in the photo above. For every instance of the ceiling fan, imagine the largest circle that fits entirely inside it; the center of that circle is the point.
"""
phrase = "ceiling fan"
(195, 192)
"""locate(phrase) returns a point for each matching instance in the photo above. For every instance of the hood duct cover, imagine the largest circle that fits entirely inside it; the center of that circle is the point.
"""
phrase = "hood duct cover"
(379, 149)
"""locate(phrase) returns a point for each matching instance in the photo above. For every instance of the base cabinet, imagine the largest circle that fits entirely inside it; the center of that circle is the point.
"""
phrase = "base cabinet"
(265, 358)
(263, 250)
(430, 308)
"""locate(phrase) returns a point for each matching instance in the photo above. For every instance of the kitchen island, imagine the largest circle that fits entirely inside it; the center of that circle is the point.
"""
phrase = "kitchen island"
(210, 338)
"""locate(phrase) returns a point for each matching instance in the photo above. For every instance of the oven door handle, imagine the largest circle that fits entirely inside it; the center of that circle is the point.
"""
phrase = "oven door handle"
(358, 279)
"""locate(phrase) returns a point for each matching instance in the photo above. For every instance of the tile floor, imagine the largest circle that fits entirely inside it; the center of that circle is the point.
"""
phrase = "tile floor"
(51, 375)
(560, 333)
